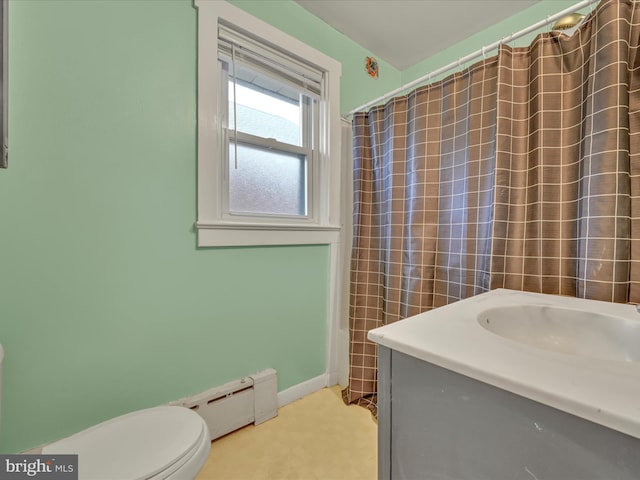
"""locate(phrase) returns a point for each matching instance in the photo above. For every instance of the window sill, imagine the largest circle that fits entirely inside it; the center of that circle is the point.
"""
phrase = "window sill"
(227, 235)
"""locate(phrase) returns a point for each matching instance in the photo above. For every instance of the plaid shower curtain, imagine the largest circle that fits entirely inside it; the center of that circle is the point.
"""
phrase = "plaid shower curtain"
(519, 172)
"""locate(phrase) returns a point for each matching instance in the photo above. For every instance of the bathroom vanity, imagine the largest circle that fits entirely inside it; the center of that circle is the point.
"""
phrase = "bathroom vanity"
(549, 391)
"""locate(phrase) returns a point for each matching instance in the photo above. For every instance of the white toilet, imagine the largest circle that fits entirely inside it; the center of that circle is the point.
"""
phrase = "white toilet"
(157, 443)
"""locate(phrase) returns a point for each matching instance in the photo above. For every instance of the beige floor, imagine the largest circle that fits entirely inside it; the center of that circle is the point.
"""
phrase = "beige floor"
(316, 437)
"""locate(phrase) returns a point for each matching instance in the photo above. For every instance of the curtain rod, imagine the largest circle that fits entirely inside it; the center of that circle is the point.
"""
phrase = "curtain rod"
(482, 52)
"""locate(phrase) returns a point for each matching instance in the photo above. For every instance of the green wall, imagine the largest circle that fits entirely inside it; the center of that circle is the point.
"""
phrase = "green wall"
(106, 304)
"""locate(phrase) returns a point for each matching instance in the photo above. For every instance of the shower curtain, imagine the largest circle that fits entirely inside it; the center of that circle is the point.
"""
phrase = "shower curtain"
(519, 172)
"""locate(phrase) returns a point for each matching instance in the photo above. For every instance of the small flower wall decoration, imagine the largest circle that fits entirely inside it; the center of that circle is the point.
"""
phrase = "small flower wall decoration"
(371, 65)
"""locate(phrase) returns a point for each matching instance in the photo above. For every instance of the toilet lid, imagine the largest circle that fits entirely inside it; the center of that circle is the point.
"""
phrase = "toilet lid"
(137, 445)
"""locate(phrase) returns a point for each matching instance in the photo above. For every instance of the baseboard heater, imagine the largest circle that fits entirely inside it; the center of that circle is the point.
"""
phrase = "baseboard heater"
(252, 399)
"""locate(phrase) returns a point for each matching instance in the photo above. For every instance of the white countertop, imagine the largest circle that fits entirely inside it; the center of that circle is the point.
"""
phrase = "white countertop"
(606, 392)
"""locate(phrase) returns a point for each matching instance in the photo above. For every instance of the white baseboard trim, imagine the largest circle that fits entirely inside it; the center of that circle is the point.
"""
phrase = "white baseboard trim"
(285, 397)
(34, 451)
(303, 389)
(333, 379)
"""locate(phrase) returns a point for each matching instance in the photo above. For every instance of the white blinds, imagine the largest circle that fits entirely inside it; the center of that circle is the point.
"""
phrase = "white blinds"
(260, 56)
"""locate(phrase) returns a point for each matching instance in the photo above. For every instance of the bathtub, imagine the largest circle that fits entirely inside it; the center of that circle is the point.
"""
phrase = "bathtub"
(511, 385)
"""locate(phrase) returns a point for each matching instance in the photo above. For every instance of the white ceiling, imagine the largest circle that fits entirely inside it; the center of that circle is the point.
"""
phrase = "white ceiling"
(405, 32)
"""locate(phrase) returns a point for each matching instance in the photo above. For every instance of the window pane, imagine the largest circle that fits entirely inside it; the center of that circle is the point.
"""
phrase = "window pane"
(265, 107)
(267, 182)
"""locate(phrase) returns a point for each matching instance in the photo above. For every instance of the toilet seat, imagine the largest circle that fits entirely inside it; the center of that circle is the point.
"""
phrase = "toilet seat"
(147, 444)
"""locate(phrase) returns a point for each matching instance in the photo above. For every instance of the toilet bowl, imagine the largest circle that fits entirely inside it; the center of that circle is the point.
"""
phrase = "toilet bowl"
(167, 442)
(156, 443)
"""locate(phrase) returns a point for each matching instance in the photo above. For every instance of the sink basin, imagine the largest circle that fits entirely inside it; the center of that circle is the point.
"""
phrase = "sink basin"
(575, 355)
(564, 330)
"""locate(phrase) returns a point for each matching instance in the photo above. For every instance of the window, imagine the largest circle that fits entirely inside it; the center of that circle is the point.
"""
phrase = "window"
(268, 134)
(269, 119)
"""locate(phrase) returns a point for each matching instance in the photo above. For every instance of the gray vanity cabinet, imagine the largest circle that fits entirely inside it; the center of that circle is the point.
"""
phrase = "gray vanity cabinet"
(435, 424)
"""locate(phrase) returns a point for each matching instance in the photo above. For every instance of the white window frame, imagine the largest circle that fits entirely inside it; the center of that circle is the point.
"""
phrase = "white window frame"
(214, 228)
(309, 150)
